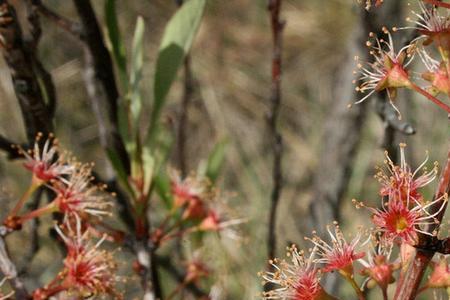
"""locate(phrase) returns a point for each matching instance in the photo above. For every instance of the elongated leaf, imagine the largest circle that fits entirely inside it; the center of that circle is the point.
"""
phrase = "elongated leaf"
(176, 42)
(216, 160)
(120, 170)
(137, 60)
(162, 187)
(118, 49)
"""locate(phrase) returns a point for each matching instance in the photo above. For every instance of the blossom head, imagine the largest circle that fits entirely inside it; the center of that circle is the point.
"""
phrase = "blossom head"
(188, 189)
(369, 3)
(440, 277)
(77, 195)
(398, 220)
(296, 280)
(434, 26)
(88, 270)
(377, 266)
(211, 222)
(196, 209)
(436, 74)
(388, 69)
(339, 254)
(195, 271)
(399, 182)
(46, 164)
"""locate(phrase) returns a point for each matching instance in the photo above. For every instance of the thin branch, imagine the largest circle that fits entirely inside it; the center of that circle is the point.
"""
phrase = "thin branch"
(34, 238)
(179, 276)
(64, 23)
(49, 92)
(274, 8)
(8, 268)
(392, 125)
(100, 83)
(146, 258)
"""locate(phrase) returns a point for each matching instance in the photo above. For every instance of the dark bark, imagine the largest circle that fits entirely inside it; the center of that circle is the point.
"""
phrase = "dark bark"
(25, 70)
(277, 25)
(100, 83)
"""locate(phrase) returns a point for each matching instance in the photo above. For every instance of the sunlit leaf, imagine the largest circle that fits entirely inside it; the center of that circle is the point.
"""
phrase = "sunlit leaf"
(118, 48)
(137, 59)
(176, 42)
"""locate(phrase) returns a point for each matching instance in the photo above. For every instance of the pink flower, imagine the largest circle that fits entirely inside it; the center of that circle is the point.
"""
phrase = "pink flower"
(434, 26)
(400, 182)
(77, 195)
(377, 265)
(338, 254)
(46, 164)
(297, 280)
(188, 189)
(397, 220)
(388, 71)
(436, 74)
(369, 3)
(87, 269)
(440, 277)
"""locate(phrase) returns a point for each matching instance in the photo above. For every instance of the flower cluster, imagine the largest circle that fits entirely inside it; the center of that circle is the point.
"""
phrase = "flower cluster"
(71, 182)
(199, 204)
(88, 271)
(404, 211)
(401, 220)
(388, 71)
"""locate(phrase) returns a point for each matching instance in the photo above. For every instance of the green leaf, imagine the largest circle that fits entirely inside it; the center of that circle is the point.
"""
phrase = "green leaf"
(162, 186)
(216, 160)
(176, 42)
(118, 49)
(148, 164)
(137, 61)
(119, 168)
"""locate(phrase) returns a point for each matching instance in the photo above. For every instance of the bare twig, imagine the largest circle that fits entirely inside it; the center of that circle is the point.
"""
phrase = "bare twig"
(46, 79)
(100, 83)
(392, 125)
(64, 23)
(9, 269)
(167, 264)
(149, 276)
(34, 238)
(274, 8)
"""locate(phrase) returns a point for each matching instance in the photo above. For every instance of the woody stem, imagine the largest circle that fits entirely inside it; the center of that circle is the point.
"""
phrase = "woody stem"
(438, 3)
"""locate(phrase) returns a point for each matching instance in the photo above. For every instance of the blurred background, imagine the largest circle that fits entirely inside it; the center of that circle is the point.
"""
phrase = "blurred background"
(330, 151)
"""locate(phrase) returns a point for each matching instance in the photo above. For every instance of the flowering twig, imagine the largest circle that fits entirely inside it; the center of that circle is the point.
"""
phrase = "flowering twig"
(408, 285)
(275, 99)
